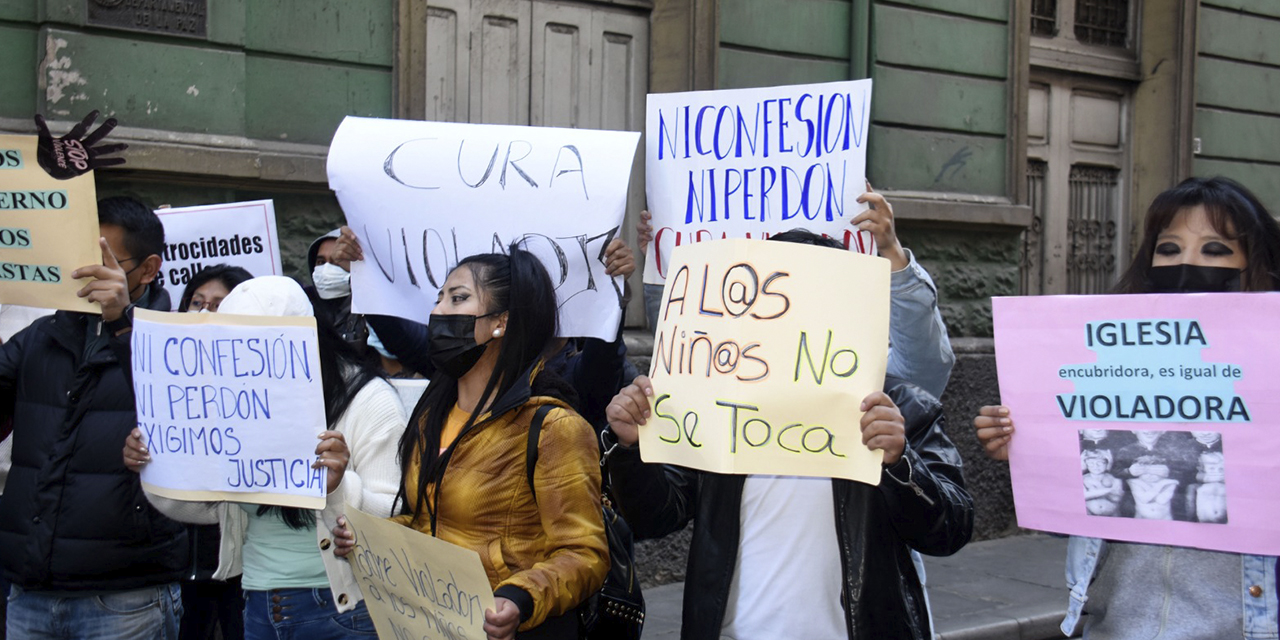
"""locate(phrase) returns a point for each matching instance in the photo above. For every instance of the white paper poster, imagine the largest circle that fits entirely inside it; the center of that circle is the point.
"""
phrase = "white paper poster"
(423, 195)
(749, 163)
(229, 406)
(241, 234)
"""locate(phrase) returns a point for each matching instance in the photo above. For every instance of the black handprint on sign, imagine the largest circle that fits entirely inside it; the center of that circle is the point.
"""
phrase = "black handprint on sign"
(75, 154)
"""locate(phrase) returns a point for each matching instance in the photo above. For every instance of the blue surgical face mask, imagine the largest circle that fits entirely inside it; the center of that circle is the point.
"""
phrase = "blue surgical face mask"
(375, 343)
(331, 281)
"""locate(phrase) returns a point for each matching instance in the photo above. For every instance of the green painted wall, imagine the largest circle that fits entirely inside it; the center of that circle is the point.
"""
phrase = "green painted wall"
(274, 69)
(939, 113)
(941, 96)
(1237, 116)
(280, 70)
(774, 42)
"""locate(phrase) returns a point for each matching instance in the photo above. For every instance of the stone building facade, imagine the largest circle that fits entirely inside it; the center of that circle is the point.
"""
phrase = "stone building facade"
(1019, 140)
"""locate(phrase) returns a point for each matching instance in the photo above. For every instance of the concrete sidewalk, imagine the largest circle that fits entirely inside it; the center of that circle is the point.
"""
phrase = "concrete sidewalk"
(1007, 589)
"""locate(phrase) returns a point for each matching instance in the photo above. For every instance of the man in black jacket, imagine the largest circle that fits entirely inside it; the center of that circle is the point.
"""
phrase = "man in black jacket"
(847, 576)
(87, 554)
(797, 557)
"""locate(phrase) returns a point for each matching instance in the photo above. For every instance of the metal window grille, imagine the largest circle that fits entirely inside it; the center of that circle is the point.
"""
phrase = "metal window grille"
(1103, 22)
(1044, 18)
(1031, 265)
(1091, 229)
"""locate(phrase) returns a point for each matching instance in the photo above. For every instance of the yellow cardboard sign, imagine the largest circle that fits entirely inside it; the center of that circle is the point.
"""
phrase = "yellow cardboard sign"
(763, 354)
(417, 586)
(48, 228)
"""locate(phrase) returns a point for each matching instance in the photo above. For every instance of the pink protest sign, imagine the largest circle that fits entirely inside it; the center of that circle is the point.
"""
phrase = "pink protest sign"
(1145, 418)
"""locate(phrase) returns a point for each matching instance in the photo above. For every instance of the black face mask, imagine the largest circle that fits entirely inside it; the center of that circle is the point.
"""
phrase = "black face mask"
(452, 343)
(1191, 278)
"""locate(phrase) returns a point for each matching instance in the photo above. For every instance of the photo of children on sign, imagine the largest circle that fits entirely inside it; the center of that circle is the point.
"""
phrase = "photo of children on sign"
(1154, 475)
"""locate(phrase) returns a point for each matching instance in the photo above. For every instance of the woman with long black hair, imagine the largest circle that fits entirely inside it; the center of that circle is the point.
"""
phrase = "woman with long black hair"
(464, 454)
(1202, 236)
(294, 587)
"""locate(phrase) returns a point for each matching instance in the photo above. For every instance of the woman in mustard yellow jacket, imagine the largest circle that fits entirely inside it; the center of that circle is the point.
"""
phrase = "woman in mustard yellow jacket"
(464, 453)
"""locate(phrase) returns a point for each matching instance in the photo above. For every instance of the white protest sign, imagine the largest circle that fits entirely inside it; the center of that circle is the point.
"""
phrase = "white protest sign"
(748, 163)
(423, 195)
(229, 407)
(241, 234)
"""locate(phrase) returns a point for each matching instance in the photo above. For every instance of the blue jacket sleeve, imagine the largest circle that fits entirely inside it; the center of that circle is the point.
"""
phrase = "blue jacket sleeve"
(919, 350)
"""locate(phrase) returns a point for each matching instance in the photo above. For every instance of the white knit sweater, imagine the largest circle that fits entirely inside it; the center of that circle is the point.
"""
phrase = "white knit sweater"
(371, 425)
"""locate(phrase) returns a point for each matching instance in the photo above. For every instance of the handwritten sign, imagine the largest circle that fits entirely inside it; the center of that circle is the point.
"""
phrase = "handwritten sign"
(48, 228)
(1144, 418)
(229, 407)
(241, 234)
(423, 195)
(763, 354)
(417, 586)
(747, 163)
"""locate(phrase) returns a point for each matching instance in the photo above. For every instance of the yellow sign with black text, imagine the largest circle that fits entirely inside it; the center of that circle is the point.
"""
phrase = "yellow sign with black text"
(48, 228)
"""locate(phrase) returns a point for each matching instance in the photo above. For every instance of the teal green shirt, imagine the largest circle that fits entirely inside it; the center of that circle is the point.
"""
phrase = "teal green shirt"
(277, 557)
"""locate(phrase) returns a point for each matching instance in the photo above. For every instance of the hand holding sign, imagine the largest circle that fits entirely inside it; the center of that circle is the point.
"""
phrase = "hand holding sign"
(500, 622)
(70, 156)
(110, 287)
(879, 221)
(883, 427)
(994, 430)
(333, 455)
(618, 259)
(630, 409)
(347, 249)
(135, 451)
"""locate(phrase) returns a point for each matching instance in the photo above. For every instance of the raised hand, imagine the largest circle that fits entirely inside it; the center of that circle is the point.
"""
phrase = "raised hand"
(879, 221)
(994, 429)
(110, 285)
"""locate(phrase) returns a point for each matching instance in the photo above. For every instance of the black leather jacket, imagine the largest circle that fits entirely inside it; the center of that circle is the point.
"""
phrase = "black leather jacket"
(920, 504)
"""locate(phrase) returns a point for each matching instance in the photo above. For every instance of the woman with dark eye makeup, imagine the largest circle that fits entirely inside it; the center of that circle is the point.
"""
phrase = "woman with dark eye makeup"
(1205, 235)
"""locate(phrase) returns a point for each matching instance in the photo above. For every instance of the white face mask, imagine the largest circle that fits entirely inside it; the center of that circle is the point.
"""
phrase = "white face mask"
(331, 281)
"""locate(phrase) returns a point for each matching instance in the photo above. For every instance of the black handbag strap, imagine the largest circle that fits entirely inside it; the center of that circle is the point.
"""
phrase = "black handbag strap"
(531, 453)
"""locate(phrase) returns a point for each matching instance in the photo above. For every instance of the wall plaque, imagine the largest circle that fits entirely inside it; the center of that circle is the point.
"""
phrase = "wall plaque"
(170, 17)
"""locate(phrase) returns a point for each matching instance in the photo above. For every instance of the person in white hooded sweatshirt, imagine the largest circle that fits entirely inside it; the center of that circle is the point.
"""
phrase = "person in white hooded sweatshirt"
(294, 586)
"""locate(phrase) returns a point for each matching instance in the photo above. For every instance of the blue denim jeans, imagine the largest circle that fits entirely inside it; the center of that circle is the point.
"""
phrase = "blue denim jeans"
(148, 613)
(302, 614)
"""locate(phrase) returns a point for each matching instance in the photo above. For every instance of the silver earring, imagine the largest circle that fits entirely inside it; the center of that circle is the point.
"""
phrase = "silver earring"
(497, 333)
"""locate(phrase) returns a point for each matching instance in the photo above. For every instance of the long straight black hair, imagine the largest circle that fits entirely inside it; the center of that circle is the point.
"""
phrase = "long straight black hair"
(515, 283)
(343, 373)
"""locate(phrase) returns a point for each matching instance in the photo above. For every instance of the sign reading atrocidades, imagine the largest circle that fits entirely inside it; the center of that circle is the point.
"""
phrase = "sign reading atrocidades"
(241, 234)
